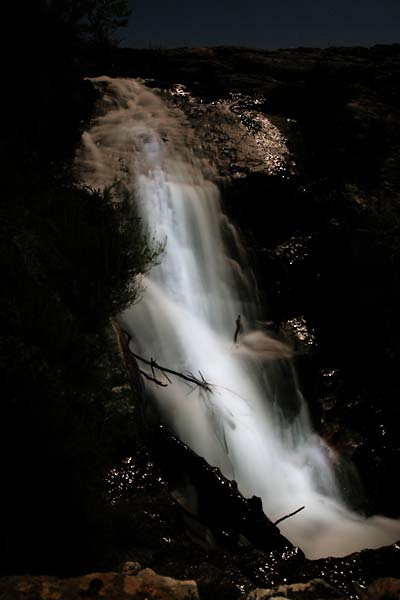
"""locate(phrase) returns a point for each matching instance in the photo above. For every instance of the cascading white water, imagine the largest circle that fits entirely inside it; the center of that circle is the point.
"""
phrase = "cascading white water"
(186, 320)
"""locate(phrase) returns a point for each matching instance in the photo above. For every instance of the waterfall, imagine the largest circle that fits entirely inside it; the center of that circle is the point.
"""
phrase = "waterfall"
(254, 424)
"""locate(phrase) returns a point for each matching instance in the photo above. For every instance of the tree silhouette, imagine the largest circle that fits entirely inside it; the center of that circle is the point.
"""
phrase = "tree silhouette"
(102, 18)
(96, 20)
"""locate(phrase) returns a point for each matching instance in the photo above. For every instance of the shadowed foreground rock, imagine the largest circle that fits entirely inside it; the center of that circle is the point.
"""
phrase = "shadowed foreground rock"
(386, 588)
(113, 586)
(147, 585)
(316, 589)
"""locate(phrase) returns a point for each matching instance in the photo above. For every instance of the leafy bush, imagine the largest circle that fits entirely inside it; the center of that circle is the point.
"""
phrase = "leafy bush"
(70, 259)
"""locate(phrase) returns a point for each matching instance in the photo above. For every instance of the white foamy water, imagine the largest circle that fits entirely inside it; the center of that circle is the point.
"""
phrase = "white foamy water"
(254, 425)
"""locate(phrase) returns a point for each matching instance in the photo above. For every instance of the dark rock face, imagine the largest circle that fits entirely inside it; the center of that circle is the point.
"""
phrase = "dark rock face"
(234, 520)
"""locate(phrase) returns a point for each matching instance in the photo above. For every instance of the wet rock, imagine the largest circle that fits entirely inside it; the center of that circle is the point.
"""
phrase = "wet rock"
(316, 589)
(212, 580)
(112, 586)
(131, 568)
(218, 507)
(147, 584)
(233, 134)
(386, 588)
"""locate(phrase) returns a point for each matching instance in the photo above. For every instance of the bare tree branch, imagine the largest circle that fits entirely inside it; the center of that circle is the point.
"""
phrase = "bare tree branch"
(288, 516)
(188, 377)
(153, 379)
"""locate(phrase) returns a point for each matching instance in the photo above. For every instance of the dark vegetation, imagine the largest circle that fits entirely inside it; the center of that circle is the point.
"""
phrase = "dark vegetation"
(69, 256)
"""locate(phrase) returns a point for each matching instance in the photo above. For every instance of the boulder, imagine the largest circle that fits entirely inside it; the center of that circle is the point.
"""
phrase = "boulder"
(315, 589)
(131, 568)
(386, 588)
(110, 586)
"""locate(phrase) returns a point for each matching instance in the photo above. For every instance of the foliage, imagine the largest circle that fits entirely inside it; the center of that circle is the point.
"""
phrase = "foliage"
(95, 19)
(70, 258)
(104, 17)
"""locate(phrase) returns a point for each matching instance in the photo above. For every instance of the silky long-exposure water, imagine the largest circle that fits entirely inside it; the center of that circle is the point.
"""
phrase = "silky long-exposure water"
(254, 425)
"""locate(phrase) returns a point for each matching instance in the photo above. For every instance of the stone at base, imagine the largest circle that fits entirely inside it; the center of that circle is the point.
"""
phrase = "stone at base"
(111, 586)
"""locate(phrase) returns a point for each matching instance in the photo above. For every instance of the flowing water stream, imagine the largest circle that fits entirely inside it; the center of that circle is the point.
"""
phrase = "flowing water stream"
(254, 425)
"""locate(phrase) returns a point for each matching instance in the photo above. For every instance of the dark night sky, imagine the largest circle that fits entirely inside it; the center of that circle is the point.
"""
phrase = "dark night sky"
(262, 23)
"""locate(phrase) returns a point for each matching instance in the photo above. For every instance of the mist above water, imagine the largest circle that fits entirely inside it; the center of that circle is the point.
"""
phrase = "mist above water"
(254, 425)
